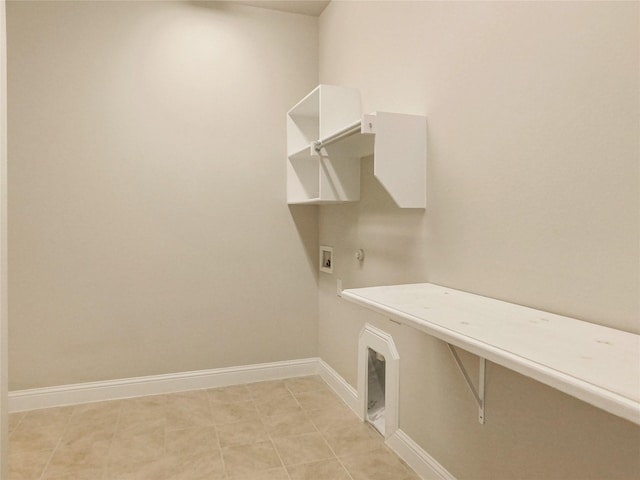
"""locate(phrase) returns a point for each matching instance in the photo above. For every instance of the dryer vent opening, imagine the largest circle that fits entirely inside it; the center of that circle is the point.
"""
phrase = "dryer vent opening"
(378, 380)
(376, 372)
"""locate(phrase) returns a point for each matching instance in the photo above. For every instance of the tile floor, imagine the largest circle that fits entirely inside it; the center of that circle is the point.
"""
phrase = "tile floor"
(291, 429)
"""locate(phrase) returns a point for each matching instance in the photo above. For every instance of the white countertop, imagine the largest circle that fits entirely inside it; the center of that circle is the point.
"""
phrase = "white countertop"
(596, 364)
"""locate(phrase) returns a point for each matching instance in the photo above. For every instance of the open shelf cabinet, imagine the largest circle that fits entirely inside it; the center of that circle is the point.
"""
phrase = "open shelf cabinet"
(311, 177)
(326, 137)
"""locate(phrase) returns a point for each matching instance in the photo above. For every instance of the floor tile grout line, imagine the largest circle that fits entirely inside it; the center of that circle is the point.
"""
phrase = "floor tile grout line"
(15, 427)
(55, 449)
(46, 465)
(335, 454)
(273, 444)
(332, 450)
(275, 448)
(252, 400)
(105, 466)
(306, 412)
(215, 429)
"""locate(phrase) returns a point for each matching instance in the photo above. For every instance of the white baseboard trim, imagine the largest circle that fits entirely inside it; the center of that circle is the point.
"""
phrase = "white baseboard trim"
(37, 398)
(346, 392)
(422, 463)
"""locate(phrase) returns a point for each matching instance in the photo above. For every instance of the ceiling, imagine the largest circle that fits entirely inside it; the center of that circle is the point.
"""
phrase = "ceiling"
(305, 7)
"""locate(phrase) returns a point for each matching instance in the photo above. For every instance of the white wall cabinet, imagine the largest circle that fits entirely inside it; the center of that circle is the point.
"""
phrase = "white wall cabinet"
(326, 137)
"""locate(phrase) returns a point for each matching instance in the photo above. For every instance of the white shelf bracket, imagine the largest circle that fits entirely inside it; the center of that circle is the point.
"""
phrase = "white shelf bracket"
(478, 394)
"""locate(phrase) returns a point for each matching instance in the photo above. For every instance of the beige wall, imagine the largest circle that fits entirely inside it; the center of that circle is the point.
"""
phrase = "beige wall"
(533, 197)
(149, 231)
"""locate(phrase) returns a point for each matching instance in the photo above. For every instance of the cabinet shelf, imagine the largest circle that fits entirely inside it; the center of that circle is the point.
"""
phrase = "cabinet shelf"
(302, 154)
(326, 137)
